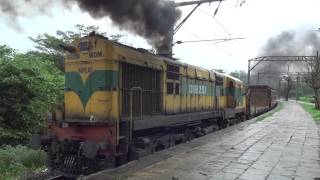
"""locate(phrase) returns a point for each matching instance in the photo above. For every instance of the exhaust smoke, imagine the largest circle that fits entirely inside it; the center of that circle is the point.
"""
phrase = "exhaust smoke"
(292, 43)
(151, 19)
(286, 43)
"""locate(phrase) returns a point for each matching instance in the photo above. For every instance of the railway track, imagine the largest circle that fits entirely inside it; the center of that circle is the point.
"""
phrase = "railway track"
(58, 177)
(45, 176)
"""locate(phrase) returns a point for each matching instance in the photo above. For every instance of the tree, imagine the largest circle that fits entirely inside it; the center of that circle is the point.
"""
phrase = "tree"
(6, 53)
(30, 86)
(241, 2)
(50, 45)
(313, 78)
(288, 86)
(240, 74)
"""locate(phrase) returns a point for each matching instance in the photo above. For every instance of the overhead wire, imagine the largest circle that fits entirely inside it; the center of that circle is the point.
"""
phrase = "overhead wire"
(214, 44)
(225, 29)
(216, 41)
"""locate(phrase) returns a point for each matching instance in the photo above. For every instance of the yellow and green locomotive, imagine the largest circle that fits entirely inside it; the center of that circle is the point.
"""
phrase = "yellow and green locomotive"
(122, 103)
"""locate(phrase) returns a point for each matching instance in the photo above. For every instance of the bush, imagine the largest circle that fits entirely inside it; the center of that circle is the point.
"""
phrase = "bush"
(12, 136)
(20, 160)
(308, 99)
(30, 86)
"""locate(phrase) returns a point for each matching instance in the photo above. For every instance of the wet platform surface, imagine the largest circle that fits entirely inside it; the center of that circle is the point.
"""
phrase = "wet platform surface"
(283, 146)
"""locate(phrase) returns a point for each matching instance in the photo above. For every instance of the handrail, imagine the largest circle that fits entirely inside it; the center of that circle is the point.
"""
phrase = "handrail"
(131, 107)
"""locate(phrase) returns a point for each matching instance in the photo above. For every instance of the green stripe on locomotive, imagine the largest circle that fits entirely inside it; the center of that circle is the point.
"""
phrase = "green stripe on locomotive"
(100, 80)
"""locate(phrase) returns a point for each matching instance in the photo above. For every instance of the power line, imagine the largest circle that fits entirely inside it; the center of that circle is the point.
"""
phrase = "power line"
(225, 29)
(229, 54)
(216, 41)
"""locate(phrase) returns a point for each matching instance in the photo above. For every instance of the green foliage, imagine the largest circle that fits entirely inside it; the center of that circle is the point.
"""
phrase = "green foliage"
(301, 90)
(30, 86)
(242, 75)
(51, 45)
(307, 99)
(270, 113)
(6, 53)
(20, 160)
(310, 108)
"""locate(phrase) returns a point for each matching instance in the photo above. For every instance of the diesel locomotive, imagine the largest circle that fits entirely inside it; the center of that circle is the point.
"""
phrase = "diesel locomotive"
(121, 103)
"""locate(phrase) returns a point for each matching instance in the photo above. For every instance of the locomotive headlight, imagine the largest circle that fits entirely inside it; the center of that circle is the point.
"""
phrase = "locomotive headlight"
(91, 118)
(64, 125)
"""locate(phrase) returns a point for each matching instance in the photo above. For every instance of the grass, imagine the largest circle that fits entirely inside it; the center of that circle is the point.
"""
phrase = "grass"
(270, 113)
(307, 99)
(315, 113)
(16, 162)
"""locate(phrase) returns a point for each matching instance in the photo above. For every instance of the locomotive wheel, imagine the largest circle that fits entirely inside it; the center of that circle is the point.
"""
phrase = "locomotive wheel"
(122, 159)
(222, 123)
(188, 135)
(153, 148)
(169, 144)
(243, 117)
(225, 123)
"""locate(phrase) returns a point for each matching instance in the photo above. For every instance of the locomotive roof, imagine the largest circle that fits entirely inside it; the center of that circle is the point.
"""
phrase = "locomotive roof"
(164, 58)
(234, 78)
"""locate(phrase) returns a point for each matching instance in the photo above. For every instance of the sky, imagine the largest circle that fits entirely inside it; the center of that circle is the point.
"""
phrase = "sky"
(255, 21)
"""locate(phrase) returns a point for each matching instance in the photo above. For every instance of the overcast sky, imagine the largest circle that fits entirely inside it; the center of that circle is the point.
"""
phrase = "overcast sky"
(256, 21)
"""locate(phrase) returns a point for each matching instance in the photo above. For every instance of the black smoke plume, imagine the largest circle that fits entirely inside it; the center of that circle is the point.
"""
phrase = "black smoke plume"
(293, 43)
(286, 43)
(290, 43)
(151, 19)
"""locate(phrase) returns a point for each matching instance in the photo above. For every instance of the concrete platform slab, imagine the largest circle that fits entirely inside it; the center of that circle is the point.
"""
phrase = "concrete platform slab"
(284, 146)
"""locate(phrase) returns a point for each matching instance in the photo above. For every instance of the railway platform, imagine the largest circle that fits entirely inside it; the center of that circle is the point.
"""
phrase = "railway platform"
(283, 146)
